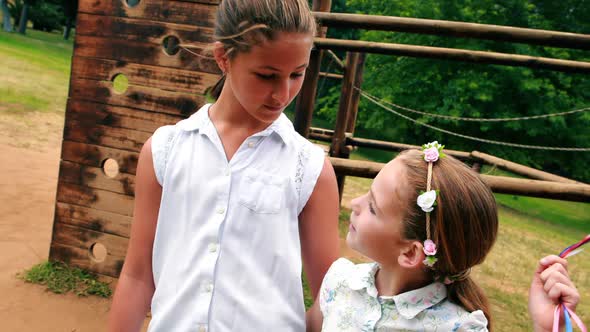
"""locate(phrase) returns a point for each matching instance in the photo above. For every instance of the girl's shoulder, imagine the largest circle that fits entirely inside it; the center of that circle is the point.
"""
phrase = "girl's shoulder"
(161, 143)
(352, 275)
(474, 321)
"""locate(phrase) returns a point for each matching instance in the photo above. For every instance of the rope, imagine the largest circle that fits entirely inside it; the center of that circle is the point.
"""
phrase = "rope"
(449, 117)
(524, 146)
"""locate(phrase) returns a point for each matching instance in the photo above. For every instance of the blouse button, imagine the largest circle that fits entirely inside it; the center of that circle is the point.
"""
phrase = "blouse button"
(202, 328)
(220, 210)
(251, 144)
(212, 247)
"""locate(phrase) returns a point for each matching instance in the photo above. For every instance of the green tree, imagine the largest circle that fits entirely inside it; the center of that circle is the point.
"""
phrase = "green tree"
(473, 90)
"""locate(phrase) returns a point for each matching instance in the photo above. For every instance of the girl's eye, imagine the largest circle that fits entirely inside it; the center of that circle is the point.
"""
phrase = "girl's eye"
(297, 75)
(371, 209)
(265, 77)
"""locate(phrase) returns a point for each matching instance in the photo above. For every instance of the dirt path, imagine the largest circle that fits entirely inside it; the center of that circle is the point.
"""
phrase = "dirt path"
(29, 159)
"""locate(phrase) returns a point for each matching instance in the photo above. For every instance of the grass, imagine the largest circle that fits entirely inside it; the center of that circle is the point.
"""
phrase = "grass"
(60, 278)
(35, 71)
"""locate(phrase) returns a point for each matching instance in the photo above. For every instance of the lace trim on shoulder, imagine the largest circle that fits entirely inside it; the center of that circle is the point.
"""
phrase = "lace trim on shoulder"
(162, 151)
(302, 158)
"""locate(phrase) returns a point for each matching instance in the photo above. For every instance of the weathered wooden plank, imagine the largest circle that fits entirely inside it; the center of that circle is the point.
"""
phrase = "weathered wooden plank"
(91, 113)
(118, 138)
(183, 12)
(95, 198)
(84, 238)
(72, 244)
(163, 78)
(93, 219)
(80, 258)
(144, 53)
(140, 30)
(94, 177)
(95, 155)
(142, 97)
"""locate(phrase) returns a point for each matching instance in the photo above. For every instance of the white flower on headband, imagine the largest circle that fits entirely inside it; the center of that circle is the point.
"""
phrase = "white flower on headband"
(432, 151)
(426, 200)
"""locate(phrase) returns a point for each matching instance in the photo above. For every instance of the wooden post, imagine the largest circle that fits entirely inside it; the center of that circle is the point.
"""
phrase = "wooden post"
(306, 99)
(337, 148)
(356, 95)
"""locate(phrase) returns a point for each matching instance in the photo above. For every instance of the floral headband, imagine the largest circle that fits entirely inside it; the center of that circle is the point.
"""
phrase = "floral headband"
(427, 200)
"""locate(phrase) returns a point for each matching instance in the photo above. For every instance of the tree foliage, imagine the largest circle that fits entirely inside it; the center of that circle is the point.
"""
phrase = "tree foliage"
(475, 90)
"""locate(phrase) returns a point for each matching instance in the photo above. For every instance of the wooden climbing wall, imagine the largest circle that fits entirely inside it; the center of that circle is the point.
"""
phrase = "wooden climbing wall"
(133, 41)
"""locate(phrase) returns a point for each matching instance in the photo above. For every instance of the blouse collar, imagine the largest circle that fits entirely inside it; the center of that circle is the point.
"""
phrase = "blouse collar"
(201, 122)
(409, 304)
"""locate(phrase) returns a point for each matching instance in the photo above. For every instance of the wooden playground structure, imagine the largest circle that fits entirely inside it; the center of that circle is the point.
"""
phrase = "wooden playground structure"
(140, 43)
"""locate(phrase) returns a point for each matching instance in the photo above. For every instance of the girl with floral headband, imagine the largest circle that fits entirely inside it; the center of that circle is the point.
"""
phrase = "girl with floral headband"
(426, 221)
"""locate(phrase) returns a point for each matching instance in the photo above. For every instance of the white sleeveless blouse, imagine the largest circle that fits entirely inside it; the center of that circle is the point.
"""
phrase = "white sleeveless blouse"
(226, 253)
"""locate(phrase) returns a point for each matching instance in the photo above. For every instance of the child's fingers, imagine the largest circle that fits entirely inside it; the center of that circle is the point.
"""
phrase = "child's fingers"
(552, 271)
(564, 293)
(556, 277)
(550, 260)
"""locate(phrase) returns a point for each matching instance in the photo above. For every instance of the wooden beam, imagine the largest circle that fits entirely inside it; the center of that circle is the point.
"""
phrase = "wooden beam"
(520, 169)
(454, 54)
(331, 75)
(455, 29)
(389, 146)
(498, 184)
(336, 59)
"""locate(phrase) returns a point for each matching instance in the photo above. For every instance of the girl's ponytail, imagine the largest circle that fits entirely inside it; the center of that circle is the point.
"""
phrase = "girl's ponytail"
(470, 296)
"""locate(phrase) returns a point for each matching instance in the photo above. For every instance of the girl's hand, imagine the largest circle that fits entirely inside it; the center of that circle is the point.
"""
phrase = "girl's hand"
(551, 285)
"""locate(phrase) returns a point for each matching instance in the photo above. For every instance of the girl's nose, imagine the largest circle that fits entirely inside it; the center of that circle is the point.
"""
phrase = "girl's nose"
(281, 92)
(355, 205)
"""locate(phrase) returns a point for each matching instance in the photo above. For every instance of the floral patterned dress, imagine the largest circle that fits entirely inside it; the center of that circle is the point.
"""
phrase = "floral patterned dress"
(349, 302)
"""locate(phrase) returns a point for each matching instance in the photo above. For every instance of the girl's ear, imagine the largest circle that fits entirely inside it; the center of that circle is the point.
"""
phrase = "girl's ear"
(220, 56)
(412, 255)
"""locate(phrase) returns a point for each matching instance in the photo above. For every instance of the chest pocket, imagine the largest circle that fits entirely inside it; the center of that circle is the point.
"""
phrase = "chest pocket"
(262, 192)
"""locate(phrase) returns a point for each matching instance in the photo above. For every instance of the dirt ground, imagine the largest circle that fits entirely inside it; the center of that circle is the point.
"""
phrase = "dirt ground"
(29, 159)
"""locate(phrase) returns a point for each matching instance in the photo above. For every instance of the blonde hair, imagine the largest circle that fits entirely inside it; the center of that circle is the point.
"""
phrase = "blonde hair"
(464, 223)
(241, 24)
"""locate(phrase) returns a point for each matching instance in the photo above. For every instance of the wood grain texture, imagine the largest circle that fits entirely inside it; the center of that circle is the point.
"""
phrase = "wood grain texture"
(93, 219)
(182, 12)
(90, 113)
(94, 177)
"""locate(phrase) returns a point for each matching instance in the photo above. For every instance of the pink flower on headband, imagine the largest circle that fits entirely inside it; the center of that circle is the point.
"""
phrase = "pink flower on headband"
(429, 248)
(431, 154)
(432, 151)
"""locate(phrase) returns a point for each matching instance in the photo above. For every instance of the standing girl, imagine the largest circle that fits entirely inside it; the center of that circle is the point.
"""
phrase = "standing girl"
(426, 221)
(229, 201)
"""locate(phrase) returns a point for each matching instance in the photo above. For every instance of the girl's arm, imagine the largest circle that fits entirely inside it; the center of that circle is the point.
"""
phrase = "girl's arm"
(551, 285)
(135, 287)
(318, 228)
(314, 318)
